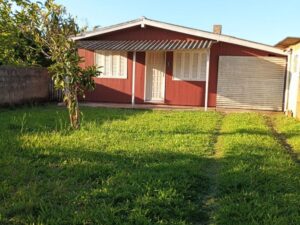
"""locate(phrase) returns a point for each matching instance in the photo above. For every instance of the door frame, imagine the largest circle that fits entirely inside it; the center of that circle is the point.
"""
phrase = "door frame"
(164, 80)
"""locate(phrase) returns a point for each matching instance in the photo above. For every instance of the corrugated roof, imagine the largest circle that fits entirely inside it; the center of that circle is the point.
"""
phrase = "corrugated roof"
(145, 45)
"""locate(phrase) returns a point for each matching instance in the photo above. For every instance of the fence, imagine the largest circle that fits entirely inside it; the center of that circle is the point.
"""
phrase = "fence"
(54, 95)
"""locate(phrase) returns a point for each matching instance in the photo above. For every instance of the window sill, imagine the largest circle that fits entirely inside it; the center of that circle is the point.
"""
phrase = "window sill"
(110, 77)
(177, 79)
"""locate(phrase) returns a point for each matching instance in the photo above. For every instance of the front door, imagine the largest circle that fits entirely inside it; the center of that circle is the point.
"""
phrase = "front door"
(155, 76)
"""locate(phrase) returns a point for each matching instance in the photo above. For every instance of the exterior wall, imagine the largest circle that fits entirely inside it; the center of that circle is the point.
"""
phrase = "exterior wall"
(21, 85)
(140, 77)
(107, 89)
(190, 93)
(298, 103)
(294, 85)
(147, 33)
(297, 49)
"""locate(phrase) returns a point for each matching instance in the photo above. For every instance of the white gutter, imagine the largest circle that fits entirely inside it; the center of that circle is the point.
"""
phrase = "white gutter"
(133, 80)
(207, 80)
(287, 81)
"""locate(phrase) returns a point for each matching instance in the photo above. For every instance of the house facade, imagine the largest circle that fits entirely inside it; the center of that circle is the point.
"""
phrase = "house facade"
(151, 62)
(292, 46)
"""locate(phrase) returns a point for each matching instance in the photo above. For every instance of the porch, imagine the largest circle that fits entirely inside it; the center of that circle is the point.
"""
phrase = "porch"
(160, 72)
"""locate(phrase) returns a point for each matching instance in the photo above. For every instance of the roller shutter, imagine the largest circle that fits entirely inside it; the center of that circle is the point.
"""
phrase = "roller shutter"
(251, 82)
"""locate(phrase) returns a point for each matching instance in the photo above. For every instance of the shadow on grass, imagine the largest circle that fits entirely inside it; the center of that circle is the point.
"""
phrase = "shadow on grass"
(82, 186)
(55, 119)
(77, 185)
(258, 180)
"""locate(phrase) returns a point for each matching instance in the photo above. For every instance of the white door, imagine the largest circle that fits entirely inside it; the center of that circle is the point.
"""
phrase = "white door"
(155, 76)
(251, 82)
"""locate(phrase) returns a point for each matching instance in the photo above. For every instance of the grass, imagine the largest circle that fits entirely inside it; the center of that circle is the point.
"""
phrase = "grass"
(258, 181)
(145, 167)
(122, 167)
(290, 129)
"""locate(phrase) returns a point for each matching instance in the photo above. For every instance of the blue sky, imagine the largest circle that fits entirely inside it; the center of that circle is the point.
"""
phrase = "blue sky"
(266, 21)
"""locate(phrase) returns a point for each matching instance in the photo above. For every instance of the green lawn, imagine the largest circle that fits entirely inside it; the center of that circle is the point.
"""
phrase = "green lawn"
(258, 181)
(144, 167)
(290, 129)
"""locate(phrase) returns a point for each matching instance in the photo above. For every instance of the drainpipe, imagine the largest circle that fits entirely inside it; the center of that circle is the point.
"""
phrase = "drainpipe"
(207, 80)
(133, 80)
(287, 81)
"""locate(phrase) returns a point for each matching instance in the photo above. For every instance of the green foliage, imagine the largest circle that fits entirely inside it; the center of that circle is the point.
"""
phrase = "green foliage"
(50, 28)
(15, 47)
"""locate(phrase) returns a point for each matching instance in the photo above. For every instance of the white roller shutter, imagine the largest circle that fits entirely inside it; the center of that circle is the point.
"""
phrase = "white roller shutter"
(251, 82)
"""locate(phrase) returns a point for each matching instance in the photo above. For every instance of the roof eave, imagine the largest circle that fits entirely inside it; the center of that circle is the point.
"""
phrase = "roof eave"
(283, 45)
(181, 29)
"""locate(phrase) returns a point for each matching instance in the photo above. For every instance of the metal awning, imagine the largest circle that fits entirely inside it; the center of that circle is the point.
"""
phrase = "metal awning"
(145, 45)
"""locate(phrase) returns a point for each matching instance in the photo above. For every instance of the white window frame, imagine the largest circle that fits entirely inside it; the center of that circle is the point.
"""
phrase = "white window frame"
(202, 61)
(100, 53)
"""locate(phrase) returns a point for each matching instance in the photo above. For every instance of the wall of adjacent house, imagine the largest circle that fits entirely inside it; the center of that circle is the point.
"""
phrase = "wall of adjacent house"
(21, 85)
(297, 48)
(294, 88)
(298, 103)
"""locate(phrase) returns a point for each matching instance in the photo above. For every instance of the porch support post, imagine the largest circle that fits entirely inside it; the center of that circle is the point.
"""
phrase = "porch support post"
(133, 80)
(207, 80)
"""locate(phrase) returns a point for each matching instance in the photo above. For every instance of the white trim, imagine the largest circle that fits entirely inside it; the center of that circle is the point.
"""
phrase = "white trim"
(190, 31)
(145, 77)
(108, 29)
(207, 80)
(133, 79)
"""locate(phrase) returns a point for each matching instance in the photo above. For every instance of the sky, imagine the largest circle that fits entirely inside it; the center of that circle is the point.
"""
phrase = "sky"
(265, 21)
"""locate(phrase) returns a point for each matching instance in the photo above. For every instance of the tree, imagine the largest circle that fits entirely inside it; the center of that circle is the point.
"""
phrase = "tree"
(14, 48)
(50, 28)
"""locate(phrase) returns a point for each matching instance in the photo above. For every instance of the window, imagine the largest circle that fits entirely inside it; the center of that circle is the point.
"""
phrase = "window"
(112, 64)
(190, 65)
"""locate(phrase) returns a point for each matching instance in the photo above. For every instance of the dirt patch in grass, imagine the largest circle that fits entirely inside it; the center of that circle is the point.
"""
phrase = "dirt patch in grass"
(282, 140)
(258, 181)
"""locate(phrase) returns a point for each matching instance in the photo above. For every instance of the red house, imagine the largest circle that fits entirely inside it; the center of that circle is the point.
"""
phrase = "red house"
(148, 61)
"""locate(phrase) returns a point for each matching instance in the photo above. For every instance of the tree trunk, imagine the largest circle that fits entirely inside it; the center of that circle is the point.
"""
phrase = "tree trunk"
(71, 101)
(75, 113)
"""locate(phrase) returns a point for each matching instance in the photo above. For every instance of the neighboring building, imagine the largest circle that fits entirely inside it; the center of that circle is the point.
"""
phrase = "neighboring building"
(147, 61)
(292, 47)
